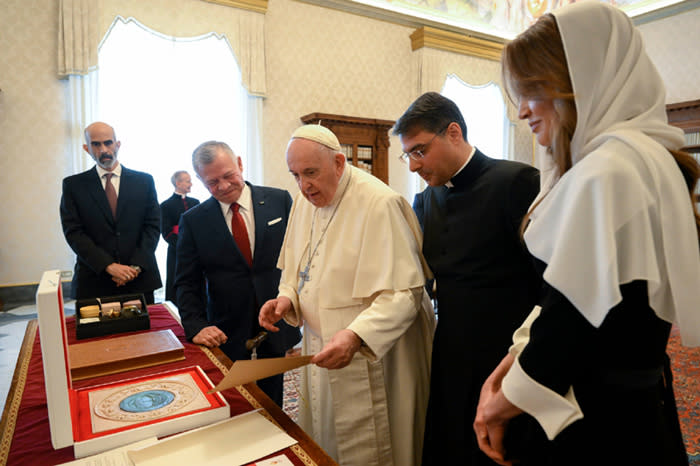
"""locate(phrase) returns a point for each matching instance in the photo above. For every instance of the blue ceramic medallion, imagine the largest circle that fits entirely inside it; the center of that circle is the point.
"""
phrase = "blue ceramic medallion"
(146, 401)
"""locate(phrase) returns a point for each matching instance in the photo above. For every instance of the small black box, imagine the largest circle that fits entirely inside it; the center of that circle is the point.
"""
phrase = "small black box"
(110, 325)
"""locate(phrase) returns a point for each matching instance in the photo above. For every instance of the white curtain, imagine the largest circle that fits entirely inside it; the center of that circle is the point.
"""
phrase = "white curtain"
(77, 61)
(82, 98)
(78, 41)
(255, 171)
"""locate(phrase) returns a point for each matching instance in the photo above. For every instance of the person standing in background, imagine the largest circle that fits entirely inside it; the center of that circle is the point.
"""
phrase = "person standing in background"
(170, 211)
(111, 220)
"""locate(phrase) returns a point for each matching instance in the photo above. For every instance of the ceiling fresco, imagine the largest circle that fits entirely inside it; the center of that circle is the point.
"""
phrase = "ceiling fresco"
(498, 18)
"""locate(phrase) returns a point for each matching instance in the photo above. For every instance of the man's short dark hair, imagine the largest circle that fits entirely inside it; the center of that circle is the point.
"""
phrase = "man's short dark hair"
(431, 112)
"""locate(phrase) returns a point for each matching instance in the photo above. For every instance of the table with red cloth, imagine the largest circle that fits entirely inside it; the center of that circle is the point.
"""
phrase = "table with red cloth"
(26, 436)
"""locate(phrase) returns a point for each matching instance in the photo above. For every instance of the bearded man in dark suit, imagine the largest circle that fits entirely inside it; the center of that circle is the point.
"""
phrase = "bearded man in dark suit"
(170, 211)
(232, 240)
(485, 281)
(111, 220)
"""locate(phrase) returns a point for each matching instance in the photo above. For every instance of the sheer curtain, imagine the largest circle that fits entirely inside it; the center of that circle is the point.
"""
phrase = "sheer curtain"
(165, 95)
(77, 61)
(484, 111)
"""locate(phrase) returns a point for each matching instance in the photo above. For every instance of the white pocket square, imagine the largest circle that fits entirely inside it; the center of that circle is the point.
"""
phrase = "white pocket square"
(272, 222)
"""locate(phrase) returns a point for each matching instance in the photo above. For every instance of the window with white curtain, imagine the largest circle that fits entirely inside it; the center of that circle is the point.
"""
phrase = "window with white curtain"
(164, 96)
(484, 111)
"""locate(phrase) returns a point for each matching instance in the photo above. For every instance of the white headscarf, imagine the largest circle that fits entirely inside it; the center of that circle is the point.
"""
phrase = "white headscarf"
(622, 212)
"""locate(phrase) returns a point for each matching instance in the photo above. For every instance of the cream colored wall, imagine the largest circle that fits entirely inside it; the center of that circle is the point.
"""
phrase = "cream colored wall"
(323, 60)
(672, 44)
(33, 158)
(318, 60)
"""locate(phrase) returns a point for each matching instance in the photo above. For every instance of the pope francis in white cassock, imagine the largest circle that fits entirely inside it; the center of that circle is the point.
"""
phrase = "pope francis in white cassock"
(353, 275)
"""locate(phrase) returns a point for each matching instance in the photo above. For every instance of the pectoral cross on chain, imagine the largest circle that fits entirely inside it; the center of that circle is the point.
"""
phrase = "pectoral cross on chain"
(303, 277)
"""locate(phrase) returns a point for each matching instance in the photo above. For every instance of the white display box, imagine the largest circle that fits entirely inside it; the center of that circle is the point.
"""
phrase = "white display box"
(70, 413)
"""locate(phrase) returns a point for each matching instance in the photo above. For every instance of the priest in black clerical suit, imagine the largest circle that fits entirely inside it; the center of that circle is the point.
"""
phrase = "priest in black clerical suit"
(225, 314)
(170, 211)
(485, 281)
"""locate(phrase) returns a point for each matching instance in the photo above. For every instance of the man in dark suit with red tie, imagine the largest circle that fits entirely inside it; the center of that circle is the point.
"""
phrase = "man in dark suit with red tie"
(233, 240)
(170, 211)
(111, 220)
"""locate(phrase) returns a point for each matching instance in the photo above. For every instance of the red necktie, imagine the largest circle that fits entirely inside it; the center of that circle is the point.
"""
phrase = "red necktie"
(240, 233)
(111, 194)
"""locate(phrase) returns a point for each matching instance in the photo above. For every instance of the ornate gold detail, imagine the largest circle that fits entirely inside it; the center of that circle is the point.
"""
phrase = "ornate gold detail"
(259, 6)
(302, 455)
(21, 372)
(427, 36)
(110, 407)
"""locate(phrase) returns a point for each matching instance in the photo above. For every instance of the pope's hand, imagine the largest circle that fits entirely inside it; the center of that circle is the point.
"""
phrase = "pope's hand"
(338, 352)
(273, 311)
(210, 337)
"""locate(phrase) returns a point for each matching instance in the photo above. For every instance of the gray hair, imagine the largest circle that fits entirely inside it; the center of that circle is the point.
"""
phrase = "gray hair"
(176, 177)
(205, 153)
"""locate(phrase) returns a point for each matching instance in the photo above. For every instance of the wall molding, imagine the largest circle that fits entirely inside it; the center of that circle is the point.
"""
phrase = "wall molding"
(258, 6)
(464, 44)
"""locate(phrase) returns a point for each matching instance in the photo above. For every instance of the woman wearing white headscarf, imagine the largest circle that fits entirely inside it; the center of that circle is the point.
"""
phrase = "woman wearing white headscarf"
(615, 234)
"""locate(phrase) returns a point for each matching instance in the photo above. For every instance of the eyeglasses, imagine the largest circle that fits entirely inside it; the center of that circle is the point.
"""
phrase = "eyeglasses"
(418, 154)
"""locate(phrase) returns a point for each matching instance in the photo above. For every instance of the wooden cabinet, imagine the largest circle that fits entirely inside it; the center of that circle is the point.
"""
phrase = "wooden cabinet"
(364, 141)
(686, 115)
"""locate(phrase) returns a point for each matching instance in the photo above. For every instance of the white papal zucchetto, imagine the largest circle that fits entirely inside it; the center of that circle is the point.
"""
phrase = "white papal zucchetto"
(319, 134)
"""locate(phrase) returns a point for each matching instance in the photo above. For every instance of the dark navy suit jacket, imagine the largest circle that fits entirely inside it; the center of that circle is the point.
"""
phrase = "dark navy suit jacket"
(234, 290)
(99, 240)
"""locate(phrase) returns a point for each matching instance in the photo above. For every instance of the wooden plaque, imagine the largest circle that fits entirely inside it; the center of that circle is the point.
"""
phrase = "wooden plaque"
(125, 353)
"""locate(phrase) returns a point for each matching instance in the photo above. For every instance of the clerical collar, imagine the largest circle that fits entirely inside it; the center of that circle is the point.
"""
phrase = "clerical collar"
(245, 201)
(449, 184)
(116, 172)
(181, 195)
(342, 183)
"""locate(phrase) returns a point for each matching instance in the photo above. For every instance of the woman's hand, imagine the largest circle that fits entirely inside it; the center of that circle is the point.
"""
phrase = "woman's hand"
(493, 414)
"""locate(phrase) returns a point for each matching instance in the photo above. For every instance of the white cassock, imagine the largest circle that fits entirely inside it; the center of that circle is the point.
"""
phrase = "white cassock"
(367, 274)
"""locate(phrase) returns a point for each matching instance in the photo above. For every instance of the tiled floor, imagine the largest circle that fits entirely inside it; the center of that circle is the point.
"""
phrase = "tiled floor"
(13, 323)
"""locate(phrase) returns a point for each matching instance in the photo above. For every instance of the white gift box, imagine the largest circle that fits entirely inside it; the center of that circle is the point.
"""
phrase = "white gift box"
(70, 413)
